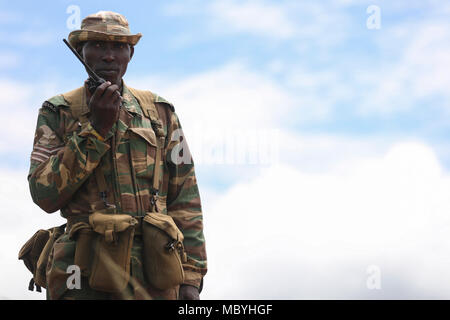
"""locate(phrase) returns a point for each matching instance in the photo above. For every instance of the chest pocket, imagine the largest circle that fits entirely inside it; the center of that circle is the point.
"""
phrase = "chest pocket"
(143, 151)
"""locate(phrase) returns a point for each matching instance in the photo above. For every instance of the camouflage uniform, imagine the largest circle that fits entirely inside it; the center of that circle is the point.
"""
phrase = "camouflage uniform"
(63, 160)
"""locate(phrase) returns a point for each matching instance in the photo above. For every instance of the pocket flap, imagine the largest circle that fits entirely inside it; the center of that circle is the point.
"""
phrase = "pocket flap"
(101, 222)
(146, 133)
(35, 244)
(77, 227)
(165, 223)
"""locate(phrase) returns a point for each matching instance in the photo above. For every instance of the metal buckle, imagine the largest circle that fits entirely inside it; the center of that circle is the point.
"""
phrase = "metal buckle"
(104, 199)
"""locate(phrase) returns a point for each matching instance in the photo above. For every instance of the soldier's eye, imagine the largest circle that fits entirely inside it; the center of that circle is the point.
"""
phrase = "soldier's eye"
(119, 45)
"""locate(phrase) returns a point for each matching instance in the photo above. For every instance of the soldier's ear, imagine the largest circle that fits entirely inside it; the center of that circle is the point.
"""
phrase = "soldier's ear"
(79, 48)
(131, 51)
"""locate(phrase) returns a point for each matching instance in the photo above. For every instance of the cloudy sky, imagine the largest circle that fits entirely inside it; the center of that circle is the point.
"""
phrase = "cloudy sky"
(320, 133)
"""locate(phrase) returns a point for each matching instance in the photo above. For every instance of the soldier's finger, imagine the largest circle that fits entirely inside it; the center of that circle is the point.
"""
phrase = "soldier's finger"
(98, 93)
(111, 92)
(116, 101)
(117, 97)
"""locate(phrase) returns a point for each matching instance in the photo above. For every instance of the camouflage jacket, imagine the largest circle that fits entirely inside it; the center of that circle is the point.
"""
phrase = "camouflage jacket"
(64, 157)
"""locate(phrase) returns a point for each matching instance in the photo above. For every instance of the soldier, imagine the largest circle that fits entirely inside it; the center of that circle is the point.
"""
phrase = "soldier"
(115, 152)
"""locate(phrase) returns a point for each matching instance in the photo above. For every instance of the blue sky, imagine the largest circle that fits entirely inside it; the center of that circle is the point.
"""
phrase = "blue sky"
(329, 40)
(359, 118)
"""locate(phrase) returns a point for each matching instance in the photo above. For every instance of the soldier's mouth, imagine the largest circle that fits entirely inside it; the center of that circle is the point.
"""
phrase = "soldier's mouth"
(107, 71)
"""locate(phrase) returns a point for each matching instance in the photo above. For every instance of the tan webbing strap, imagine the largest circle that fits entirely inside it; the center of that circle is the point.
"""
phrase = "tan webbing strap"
(102, 186)
(157, 168)
(146, 101)
(77, 101)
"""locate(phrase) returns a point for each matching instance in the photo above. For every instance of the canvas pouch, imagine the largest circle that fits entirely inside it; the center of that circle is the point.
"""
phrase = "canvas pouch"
(110, 271)
(163, 251)
(35, 253)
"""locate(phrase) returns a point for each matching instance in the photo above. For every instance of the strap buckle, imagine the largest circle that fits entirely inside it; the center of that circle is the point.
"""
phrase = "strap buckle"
(103, 196)
(154, 193)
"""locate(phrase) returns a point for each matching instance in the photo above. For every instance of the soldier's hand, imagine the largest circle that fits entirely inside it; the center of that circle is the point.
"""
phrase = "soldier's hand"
(104, 105)
(188, 292)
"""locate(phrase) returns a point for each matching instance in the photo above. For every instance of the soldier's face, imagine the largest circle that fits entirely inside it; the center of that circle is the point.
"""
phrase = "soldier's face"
(109, 60)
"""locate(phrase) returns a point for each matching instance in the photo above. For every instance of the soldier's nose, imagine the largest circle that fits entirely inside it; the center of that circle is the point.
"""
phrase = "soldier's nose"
(108, 55)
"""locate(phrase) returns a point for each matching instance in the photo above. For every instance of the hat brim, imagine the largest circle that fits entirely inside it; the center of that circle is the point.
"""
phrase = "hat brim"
(78, 36)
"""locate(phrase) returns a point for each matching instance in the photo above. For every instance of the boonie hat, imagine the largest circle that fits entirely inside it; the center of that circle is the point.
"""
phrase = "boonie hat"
(104, 26)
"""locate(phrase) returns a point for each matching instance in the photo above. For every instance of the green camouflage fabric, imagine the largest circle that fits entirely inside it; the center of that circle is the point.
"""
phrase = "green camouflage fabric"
(104, 26)
(63, 159)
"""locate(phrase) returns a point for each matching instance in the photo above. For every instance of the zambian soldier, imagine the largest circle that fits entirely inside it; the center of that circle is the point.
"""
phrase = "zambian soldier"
(109, 160)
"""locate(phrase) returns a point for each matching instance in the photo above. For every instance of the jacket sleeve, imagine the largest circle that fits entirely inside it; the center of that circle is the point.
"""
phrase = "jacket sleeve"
(58, 169)
(183, 202)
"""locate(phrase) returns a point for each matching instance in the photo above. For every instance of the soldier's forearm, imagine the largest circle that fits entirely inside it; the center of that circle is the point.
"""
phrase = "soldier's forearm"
(184, 206)
(53, 182)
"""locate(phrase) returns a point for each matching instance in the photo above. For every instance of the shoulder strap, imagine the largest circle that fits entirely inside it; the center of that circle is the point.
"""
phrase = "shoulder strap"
(77, 101)
(146, 100)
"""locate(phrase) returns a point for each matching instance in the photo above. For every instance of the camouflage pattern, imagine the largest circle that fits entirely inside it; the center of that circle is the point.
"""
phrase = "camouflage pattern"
(61, 177)
(104, 26)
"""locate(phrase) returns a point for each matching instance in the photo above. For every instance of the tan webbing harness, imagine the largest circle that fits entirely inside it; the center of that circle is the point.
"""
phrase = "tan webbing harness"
(77, 100)
(146, 101)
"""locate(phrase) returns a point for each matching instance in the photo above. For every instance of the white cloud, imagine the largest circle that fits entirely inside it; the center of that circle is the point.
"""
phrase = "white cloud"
(407, 68)
(416, 72)
(16, 104)
(295, 235)
(298, 234)
(230, 115)
(21, 219)
(234, 95)
(321, 24)
(316, 153)
(254, 17)
(20, 103)
(412, 59)
(227, 17)
(428, 56)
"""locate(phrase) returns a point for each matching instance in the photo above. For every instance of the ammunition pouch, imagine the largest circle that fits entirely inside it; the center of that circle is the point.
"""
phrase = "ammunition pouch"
(35, 253)
(163, 252)
(113, 236)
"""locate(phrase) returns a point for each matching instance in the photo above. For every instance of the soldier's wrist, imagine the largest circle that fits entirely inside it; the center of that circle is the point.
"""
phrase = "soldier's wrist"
(97, 132)
(89, 130)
